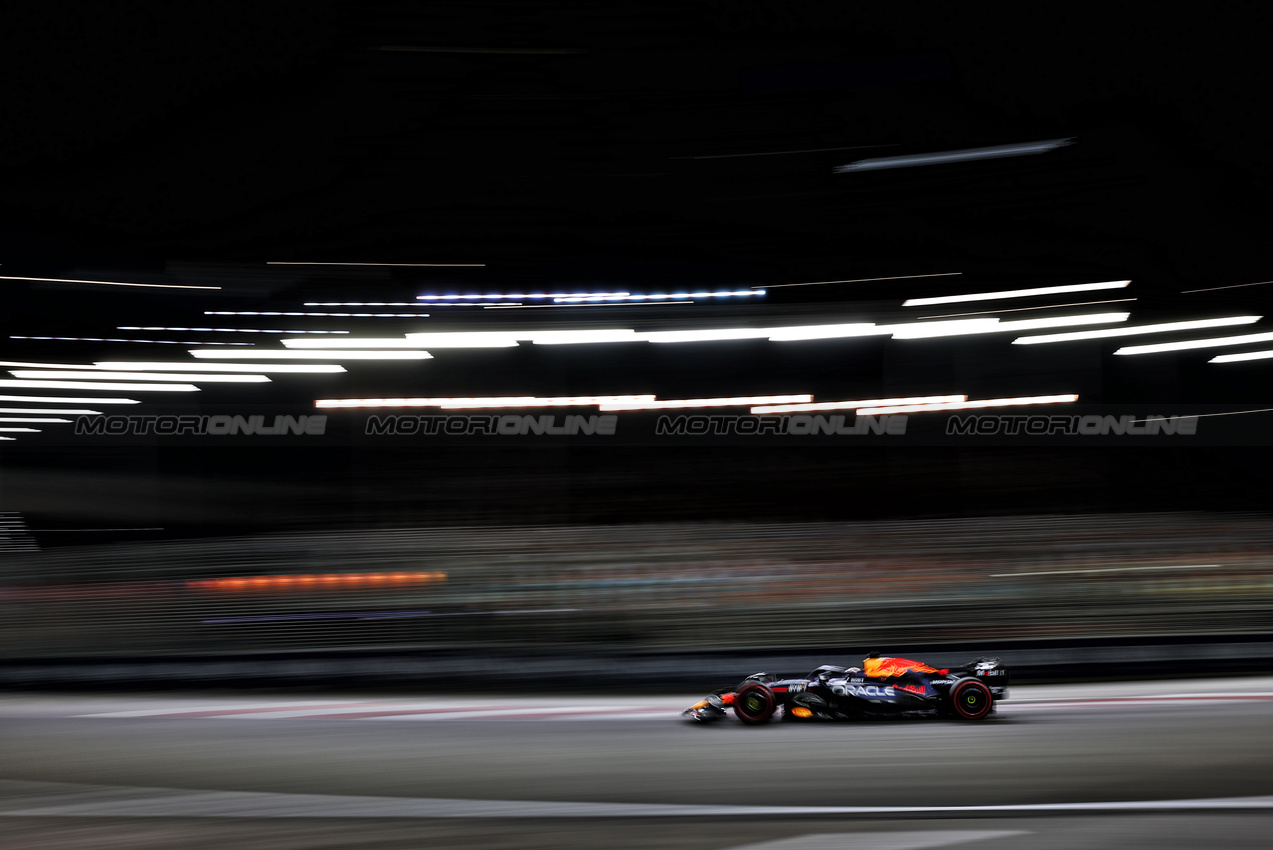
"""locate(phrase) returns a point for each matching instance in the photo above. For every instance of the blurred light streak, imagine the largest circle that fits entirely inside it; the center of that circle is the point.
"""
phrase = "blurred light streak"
(499, 401)
(221, 354)
(327, 315)
(1106, 570)
(364, 304)
(402, 265)
(23, 363)
(24, 430)
(578, 337)
(485, 339)
(154, 341)
(65, 400)
(509, 339)
(922, 331)
(675, 403)
(573, 299)
(1238, 358)
(969, 405)
(1014, 293)
(320, 581)
(92, 385)
(1165, 327)
(227, 330)
(107, 282)
(516, 306)
(1186, 345)
(299, 368)
(8, 438)
(850, 405)
(859, 280)
(29, 419)
(799, 333)
(140, 376)
(944, 157)
(1207, 415)
(62, 411)
(719, 335)
(494, 296)
(1025, 309)
(1234, 286)
(532, 401)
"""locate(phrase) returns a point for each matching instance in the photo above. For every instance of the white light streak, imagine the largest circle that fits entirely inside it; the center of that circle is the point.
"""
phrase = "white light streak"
(63, 411)
(405, 265)
(228, 330)
(24, 430)
(327, 315)
(718, 335)
(853, 405)
(516, 306)
(961, 327)
(578, 299)
(517, 296)
(89, 375)
(95, 385)
(416, 340)
(155, 341)
(1188, 344)
(584, 336)
(8, 438)
(106, 282)
(219, 353)
(1025, 309)
(1232, 286)
(143, 365)
(1014, 293)
(808, 332)
(1166, 327)
(1239, 358)
(364, 304)
(23, 364)
(64, 400)
(504, 401)
(965, 155)
(968, 405)
(858, 280)
(12, 419)
(533, 401)
(676, 403)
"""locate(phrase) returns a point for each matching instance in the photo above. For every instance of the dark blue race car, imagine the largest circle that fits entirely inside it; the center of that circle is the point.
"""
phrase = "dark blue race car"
(883, 687)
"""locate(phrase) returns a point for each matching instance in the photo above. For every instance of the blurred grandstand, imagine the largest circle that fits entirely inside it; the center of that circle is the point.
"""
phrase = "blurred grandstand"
(697, 587)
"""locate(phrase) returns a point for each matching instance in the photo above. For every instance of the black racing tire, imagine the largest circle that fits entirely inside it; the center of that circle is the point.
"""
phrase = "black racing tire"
(970, 699)
(755, 703)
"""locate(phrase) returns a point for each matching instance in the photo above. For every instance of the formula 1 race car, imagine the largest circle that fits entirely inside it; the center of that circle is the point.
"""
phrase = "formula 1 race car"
(882, 687)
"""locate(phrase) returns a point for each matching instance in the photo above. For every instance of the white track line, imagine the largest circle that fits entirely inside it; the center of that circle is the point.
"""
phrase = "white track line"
(48, 799)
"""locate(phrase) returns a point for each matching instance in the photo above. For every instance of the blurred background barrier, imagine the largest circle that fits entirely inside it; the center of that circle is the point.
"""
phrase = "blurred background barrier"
(422, 602)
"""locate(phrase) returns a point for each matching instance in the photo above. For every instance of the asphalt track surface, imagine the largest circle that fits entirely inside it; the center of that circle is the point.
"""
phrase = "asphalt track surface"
(1166, 764)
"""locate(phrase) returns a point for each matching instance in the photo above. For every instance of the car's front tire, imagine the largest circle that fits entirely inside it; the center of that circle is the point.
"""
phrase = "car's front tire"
(755, 703)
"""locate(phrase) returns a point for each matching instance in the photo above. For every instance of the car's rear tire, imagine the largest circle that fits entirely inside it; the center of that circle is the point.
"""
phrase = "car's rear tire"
(971, 700)
(754, 704)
